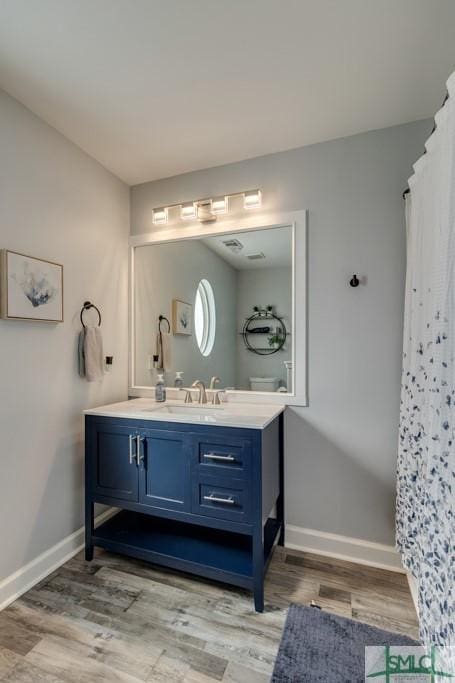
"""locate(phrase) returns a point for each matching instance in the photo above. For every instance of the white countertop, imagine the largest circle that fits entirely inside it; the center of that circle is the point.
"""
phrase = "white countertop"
(228, 414)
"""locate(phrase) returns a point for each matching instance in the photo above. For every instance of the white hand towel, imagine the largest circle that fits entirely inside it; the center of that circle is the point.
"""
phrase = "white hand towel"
(93, 352)
(80, 353)
(163, 350)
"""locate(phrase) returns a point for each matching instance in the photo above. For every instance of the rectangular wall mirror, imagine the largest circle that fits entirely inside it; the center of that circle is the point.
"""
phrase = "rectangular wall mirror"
(230, 301)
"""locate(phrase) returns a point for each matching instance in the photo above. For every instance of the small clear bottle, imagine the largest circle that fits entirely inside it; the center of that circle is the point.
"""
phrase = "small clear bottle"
(160, 389)
(178, 382)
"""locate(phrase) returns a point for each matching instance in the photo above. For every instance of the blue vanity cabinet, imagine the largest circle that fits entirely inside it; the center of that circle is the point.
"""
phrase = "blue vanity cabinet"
(193, 497)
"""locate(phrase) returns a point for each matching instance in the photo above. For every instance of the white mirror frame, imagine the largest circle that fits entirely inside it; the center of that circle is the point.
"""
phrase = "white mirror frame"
(297, 220)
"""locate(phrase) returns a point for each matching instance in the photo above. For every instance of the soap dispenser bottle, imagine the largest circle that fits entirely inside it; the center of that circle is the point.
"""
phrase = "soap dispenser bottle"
(160, 390)
(178, 382)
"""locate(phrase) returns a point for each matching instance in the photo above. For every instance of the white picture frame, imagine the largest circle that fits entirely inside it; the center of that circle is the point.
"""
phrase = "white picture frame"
(182, 317)
(31, 288)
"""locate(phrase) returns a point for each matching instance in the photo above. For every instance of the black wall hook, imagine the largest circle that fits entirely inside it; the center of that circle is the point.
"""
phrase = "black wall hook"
(354, 282)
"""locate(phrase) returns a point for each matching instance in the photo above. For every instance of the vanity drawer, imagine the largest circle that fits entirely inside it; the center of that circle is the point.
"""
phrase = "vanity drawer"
(228, 500)
(224, 457)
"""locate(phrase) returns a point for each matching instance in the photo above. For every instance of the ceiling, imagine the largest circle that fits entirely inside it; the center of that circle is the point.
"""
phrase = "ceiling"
(274, 243)
(154, 88)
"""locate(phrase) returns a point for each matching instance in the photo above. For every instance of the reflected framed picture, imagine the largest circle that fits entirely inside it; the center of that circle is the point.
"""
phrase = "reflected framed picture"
(30, 288)
(181, 317)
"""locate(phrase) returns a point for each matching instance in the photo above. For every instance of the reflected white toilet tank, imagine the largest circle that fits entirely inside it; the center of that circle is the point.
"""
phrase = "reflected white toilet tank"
(264, 383)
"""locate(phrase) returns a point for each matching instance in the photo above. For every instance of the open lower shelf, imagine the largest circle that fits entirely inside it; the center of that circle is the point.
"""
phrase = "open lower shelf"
(219, 555)
(199, 550)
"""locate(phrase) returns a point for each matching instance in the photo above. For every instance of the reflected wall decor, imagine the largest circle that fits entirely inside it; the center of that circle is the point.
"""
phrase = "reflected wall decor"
(31, 288)
(181, 317)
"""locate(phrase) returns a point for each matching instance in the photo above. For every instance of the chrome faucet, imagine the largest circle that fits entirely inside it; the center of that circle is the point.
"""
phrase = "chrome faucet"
(215, 380)
(188, 398)
(198, 384)
(216, 397)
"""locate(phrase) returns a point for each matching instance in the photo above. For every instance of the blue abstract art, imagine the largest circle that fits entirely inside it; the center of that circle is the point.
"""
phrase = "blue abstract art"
(32, 288)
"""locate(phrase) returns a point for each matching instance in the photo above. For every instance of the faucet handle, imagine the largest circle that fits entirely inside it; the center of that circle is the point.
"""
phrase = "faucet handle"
(188, 397)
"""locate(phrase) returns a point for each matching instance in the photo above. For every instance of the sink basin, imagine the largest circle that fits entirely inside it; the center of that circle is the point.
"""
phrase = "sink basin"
(200, 411)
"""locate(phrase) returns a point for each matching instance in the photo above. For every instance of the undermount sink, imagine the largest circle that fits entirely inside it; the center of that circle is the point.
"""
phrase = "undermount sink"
(190, 410)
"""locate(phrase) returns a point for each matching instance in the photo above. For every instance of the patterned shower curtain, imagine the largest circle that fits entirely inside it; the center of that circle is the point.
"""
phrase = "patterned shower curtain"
(425, 518)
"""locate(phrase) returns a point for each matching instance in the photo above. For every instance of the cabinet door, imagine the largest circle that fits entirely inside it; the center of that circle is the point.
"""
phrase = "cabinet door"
(164, 475)
(114, 472)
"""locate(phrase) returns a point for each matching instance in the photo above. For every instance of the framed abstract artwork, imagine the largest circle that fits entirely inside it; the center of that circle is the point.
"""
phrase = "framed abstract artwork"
(30, 288)
(181, 317)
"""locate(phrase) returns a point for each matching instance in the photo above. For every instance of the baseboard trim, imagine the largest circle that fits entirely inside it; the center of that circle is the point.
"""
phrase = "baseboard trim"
(297, 538)
(30, 574)
(339, 547)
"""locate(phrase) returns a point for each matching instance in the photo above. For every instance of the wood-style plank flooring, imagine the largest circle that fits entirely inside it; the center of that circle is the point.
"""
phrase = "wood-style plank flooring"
(118, 620)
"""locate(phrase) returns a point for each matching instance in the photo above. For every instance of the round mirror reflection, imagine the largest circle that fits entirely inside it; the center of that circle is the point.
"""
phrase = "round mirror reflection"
(205, 317)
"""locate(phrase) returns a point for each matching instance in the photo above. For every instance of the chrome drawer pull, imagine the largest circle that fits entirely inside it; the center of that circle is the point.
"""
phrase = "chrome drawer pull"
(139, 456)
(214, 456)
(131, 437)
(216, 499)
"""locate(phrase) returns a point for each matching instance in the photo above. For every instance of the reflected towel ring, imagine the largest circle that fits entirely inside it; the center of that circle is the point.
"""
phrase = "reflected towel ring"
(160, 320)
(87, 305)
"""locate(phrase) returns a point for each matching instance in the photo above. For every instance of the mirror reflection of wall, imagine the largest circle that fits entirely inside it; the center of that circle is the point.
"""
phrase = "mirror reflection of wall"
(208, 288)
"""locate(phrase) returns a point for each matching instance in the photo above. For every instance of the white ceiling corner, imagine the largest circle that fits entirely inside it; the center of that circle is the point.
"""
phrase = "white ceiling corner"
(154, 88)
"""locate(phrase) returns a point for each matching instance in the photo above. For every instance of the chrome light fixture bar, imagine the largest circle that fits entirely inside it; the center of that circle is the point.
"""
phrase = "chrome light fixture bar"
(206, 210)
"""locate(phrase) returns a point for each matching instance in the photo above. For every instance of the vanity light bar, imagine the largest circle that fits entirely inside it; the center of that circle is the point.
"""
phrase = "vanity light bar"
(207, 209)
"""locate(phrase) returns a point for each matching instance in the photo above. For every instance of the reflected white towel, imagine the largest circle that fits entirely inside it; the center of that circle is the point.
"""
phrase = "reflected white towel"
(163, 350)
(93, 353)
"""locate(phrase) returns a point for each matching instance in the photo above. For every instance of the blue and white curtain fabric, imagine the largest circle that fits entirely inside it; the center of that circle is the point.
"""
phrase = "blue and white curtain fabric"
(425, 519)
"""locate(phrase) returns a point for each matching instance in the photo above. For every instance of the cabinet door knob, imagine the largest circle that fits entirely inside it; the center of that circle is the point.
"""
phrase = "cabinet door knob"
(139, 455)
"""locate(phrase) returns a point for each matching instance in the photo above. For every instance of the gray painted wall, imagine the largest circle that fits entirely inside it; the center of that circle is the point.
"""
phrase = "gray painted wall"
(59, 204)
(173, 271)
(341, 450)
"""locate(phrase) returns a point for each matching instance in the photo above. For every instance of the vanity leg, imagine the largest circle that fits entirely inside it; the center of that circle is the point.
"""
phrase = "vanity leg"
(259, 597)
(258, 571)
(89, 528)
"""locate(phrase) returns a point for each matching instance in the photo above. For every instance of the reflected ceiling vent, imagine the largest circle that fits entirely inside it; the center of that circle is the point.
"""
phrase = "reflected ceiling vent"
(256, 257)
(234, 245)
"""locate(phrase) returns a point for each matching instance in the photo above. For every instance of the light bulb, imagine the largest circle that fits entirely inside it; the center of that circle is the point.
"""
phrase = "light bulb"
(252, 199)
(160, 216)
(188, 212)
(220, 205)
